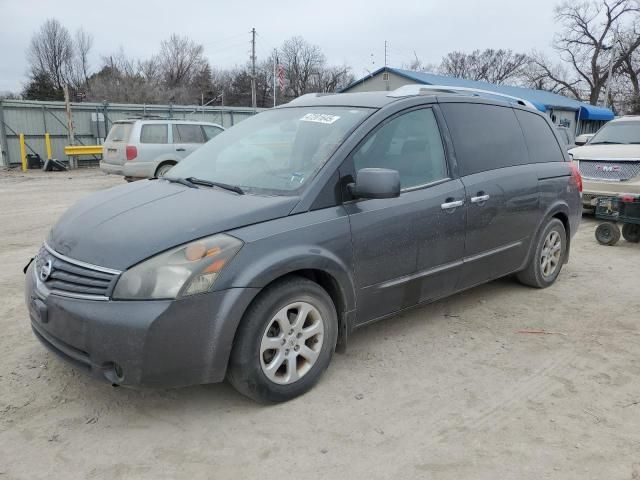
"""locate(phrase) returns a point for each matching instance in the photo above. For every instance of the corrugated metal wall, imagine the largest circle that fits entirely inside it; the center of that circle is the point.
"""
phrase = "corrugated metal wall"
(34, 119)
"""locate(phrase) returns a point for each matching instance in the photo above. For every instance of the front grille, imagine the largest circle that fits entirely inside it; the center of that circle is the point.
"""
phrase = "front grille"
(607, 170)
(69, 277)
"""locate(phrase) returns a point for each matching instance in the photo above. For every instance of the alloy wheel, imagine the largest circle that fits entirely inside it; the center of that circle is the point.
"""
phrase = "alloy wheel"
(291, 343)
(551, 253)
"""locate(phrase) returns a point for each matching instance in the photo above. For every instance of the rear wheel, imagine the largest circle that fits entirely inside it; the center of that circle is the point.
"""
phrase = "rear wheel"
(607, 233)
(163, 169)
(631, 232)
(285, 341)
(548, 256)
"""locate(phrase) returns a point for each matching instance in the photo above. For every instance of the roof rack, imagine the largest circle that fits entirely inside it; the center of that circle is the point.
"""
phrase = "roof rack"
(420, 89)
(149, 116)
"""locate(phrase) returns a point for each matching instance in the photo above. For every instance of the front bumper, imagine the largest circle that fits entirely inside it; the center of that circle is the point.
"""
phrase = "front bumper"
(159, 343)
(592, 189)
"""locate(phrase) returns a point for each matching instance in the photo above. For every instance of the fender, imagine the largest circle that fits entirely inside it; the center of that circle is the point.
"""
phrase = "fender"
(283, 261)
(558, 206)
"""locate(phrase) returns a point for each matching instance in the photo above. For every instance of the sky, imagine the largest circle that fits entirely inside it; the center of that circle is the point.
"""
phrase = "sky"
(348, 32)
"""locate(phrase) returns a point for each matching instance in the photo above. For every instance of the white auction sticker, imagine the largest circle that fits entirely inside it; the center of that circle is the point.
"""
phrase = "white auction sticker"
(320, 118)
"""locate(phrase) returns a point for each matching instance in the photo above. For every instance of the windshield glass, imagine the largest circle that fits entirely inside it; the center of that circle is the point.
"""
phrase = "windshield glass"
(275, 152)
(622, 132)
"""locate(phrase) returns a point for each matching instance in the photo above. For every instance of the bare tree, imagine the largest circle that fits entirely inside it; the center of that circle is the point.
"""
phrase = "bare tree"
(302, 61)
(50, 53)
(83, 43)
(180, 58)
(585, 45)
(493, 66)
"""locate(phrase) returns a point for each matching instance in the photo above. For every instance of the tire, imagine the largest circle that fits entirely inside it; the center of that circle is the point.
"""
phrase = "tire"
(631, 232)
(607, 233)
(162, 170)
(278, 374)
(548, 257)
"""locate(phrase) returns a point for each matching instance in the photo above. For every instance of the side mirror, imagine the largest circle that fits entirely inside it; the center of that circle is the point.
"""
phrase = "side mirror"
(583, 139)
(376, 183)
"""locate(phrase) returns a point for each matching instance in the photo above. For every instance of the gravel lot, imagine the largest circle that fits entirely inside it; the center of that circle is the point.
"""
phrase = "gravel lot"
(449, 391)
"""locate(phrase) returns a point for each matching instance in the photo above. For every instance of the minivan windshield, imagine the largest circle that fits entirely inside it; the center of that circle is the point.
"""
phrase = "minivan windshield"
(621, 132)
(275, 152)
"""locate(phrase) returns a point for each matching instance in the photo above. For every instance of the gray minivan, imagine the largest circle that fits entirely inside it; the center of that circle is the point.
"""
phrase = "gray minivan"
(147, 148)
(263, 251)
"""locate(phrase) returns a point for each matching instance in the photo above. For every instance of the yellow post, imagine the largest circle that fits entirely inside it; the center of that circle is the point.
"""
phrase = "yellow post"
(47, 142)
(23, 153)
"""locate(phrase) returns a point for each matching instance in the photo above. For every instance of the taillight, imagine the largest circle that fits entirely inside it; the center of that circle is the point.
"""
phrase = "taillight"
(575, 175)
(132, 152)
(626, 198)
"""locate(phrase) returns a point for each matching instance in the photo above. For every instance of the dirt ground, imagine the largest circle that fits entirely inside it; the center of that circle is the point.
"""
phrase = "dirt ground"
(449, 391)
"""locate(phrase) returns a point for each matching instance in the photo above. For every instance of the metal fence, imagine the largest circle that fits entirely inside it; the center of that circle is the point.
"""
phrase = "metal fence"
(91, 121)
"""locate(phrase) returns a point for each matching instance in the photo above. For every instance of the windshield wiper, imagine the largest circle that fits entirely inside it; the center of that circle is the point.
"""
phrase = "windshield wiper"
(181, 181)
(606, 142)
(207, 183)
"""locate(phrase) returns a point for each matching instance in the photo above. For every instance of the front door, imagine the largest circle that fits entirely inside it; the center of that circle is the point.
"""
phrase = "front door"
(406, 249)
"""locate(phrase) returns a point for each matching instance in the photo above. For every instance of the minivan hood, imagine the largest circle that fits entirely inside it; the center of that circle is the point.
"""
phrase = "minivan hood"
(121, 226)
(606, 152)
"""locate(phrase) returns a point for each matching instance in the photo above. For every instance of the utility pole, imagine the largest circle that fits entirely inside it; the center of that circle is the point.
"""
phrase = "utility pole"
(385, 54)
(253, 69)
(71, 136)
(275, 68)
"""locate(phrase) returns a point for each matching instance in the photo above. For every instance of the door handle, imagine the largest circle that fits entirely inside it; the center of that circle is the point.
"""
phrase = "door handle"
(452, 205)
(180, 149)
(480, 199)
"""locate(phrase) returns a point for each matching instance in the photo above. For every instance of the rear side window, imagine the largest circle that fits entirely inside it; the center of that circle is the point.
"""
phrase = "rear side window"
(541, 142)
(410, 144)
(154, 134)
(210, 131)
(187, 133)
(119, 132)
(485, 137)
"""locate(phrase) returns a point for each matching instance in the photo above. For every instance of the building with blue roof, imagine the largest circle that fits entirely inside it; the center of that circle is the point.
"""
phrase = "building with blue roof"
(578, 117)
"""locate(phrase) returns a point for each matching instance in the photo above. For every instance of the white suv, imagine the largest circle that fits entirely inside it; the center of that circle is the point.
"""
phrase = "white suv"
(610, 162)
(149, 148)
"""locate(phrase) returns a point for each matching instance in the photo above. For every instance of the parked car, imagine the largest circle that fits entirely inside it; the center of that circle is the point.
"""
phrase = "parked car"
(147, 148)
(610, 162)
(264, 250)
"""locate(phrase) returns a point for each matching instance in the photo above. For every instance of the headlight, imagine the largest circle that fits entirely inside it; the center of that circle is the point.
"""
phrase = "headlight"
(180, 272)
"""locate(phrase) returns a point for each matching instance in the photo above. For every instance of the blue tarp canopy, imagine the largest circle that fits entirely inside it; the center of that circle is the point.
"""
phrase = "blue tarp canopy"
(591, 112)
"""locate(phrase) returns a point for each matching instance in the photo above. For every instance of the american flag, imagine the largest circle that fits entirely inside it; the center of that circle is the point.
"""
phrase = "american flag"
(281, 77)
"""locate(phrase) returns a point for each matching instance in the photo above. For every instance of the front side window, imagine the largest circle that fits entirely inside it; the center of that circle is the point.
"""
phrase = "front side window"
(154, 134)
(621, 132)
(410, 144)
(275, 152)
(187, 133)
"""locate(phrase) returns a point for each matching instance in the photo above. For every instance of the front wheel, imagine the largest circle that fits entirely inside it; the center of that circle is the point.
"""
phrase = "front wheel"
(607, 233)
(548, 256)
(285, 341)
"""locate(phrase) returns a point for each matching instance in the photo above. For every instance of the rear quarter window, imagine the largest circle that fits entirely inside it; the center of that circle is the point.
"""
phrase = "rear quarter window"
(485, 137)
(119, 132)
(541, 142)
(154, 134)
(210, 131)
